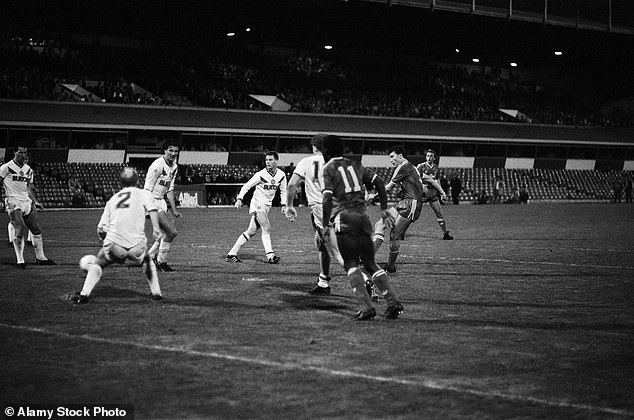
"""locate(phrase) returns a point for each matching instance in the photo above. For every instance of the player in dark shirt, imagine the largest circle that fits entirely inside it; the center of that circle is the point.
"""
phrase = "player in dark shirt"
(345, 217)
(428, 171)
(408, 207)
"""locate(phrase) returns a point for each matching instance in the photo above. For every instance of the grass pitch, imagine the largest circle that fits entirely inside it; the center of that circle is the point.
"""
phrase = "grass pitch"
(527, 314)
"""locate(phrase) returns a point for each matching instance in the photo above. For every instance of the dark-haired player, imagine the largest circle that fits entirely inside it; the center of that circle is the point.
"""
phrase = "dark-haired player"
(160, 182)
(428, 171)
(20, 202)
(309, 171)
(345, 216)
(266, 183)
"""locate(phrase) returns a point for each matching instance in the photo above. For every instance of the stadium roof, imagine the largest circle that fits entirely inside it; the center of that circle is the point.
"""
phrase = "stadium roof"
(66, 115)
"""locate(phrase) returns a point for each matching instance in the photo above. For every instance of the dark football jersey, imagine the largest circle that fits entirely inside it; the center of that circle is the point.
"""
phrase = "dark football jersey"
(431, 170)
(346, 178)
(408, 178)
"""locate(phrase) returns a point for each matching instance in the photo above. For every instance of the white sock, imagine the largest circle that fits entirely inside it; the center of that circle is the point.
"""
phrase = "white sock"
(152, 278)
(266, 241)
(153, 251)
(164, 249)
(323, 282)
(242, 239)
(18, 247)
(29, 237)
(38, 244)
(92, 278)
(11, 230)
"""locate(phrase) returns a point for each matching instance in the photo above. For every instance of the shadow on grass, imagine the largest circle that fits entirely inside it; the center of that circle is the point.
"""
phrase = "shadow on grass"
(553, 325)
(498, 304)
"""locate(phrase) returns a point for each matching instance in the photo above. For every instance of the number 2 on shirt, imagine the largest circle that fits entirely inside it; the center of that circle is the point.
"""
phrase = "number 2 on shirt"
(123, 203)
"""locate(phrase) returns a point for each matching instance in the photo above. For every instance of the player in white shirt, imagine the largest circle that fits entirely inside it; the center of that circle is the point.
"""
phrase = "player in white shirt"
(309, 170)
(21, 204)
(11, 229)
(160, 182)
(122, 228)
(266, 183)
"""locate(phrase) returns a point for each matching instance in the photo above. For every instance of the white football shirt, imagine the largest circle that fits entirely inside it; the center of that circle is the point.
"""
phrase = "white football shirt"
(160, 178)
(124, 216)
(310, 169)
(16, 179)
(266, 185)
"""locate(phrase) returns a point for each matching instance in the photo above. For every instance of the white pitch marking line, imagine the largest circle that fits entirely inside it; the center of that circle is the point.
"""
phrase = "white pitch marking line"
(429, 384)
(500, 260)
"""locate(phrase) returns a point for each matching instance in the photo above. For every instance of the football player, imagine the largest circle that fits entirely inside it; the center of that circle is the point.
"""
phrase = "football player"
(428, 171)
(159, 180)
(122, 228)
(266, 183)
(21, 204)
(309, 172)
(344, 215)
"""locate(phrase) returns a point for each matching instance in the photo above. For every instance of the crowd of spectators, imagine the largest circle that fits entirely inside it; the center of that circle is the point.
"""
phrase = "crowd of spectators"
(35, 69)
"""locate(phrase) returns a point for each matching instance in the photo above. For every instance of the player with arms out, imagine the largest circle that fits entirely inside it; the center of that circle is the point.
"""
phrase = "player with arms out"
(266, 183)
(122, 228)
(345, 216)
(160, 179)
(309, 171)
(20, 202)
(428, 171)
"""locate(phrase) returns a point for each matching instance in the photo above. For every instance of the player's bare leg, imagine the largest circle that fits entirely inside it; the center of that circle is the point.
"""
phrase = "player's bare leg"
(435, 206)
(38, 244)
(323, 281)
(169, 233)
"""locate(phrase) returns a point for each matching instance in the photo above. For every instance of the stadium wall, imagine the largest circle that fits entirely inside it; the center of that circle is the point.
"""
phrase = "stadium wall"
(70, 118)
(95, 156)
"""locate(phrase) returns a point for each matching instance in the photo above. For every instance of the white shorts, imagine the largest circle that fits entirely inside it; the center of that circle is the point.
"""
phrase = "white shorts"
(258, 208)
(13, 203)
(161, 204)
(118, 254)
(318, 213)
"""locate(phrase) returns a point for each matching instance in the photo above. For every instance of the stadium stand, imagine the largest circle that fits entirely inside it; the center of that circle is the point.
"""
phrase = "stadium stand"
(62, 70)
(100, 181)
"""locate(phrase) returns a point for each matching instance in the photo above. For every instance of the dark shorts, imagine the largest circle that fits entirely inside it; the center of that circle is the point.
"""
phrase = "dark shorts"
(430, 194)
(409, 208)
(354, 239)
(353, 222)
